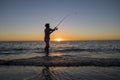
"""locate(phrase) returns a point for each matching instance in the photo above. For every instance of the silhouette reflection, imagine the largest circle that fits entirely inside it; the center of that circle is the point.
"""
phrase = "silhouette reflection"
(46, 74)
(50, 73)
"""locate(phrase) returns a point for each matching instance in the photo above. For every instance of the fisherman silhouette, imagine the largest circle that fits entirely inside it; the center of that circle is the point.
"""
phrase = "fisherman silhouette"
(48, 31)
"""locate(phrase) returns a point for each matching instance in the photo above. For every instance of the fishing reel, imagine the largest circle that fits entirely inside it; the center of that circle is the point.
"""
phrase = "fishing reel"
(56, 28)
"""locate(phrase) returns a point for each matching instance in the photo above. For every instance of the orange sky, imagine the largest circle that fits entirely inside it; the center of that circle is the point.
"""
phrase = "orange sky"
(56, 36)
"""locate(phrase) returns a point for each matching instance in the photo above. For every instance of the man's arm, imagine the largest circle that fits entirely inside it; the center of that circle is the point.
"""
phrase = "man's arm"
(52, 30)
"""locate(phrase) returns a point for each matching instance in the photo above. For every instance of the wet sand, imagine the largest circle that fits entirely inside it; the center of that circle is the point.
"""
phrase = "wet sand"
(59, 73)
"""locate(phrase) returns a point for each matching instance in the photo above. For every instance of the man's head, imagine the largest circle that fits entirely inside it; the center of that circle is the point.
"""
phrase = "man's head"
(47, 25)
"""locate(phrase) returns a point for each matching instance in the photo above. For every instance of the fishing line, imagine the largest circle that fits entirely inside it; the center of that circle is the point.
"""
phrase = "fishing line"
(65, 18)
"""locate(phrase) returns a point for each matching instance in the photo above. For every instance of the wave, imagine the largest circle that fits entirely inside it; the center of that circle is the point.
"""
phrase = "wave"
(16, 49)
(61, 50)
(61, 62)
(20, 50)
(88, 50)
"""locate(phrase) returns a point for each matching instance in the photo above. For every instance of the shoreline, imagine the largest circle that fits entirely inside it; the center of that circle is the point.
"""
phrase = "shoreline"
(61, 62)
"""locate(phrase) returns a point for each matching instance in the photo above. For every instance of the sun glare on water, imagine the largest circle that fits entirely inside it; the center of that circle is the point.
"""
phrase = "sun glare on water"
(58, 39)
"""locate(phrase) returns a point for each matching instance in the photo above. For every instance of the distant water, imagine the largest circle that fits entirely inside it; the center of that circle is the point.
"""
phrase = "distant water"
(94, 49)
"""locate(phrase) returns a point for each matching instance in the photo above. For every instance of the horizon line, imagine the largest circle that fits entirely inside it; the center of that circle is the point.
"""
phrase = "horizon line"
(56, 41)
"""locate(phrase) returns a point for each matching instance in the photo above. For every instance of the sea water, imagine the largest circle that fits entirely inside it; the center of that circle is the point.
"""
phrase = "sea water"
(92, 49)
(67, 49)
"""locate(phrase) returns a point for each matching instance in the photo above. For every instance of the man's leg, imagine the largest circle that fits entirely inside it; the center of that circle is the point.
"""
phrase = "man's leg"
(47, 48)
(47, 51)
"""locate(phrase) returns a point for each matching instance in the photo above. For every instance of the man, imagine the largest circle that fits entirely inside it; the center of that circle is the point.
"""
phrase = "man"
(48, 31)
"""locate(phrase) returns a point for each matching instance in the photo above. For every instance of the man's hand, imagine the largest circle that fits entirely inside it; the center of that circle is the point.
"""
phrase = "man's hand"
(56, 28)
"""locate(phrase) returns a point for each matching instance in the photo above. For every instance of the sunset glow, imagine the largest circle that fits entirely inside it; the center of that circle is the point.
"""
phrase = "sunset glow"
(58, 39)
(56, 54)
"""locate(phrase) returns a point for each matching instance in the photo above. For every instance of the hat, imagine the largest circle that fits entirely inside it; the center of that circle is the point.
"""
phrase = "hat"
(47, 25)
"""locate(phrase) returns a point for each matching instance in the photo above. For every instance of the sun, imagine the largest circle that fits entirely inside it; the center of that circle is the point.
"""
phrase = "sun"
(58, 39)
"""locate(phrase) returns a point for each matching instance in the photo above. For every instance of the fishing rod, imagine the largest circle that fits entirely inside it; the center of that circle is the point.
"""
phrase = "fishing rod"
(63, 20)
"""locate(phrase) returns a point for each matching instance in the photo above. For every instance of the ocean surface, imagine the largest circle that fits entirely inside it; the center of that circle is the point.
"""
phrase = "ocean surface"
(91, 49)
(86, 51)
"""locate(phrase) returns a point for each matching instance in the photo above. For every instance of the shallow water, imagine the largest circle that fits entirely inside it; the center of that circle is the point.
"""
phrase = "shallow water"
(59, 73)
(68, 51)
(90, 49)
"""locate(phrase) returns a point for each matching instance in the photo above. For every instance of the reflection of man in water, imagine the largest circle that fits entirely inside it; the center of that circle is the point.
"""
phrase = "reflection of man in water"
(48, 31)
(47, 73)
